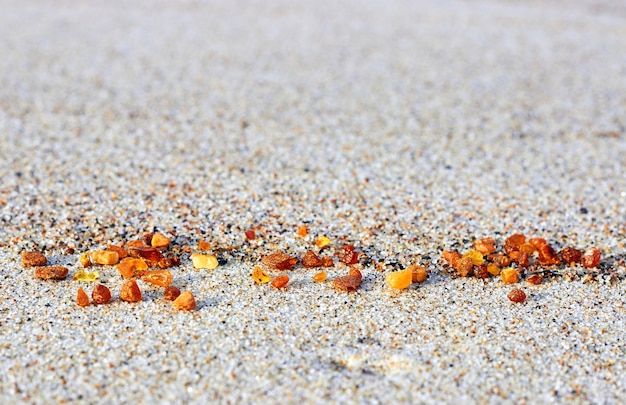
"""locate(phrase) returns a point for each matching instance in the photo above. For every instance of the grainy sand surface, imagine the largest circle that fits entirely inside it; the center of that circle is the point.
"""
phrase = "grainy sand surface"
(402, 127)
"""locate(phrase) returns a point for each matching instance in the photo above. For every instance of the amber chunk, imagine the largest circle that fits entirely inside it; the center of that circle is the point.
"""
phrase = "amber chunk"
(259, 276)
(171, 293)
(302, 231)
(101, 294)
(528, 248)
(204, 245)
(131, 265)
(130, 292)
(520, 257)
(499, 260)
(82, 299)
(476, 256)
(322, 241)
(310, 259)
(509, 275)
(201, 261)
(185, 301)
(51, 272)
(537, 242)
(146, 238)
(151, 254)
(493, 269)
(327, 261)
(159, 241)
(104, 257)
(464, 265)
(347, 283)
(162, 278)
(83, 275)
(400, 279)
(121, 252)
(534, 279)
(591, 258)
(547, 255)
(280, 281)
(135, 243)
(30, 259)
(451, 256)
(250, 234)
(571, 255)
(485, 246)
(319, 277)
(517, 239)
(517, 295)
(355, 272)
(279, 261)
(481, 271)
(85, 259)
(173, 259)
(347, 255)
(418, 274)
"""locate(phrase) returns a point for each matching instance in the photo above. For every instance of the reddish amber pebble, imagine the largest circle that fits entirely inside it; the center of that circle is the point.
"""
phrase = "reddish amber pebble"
(149, 253)
(185, 301)
(517, 239)
(279, 261)
(537, 242)
(171, 293)
(547, 255)
(51, 272)
(517, 295)
(521, 258)
(327, 261)
(30, 259)
(451, 256)
(280, 281)
(130, 292)
(82, 299)
(591, 258)
(571, 255)
(347, 283)
(485, 246)
(499, 260)
(310, 259)
(464, 265)
(147, 238)
(481, 271)
(250, 234)
(121, 252)
(101, 294)
(534, 279)
(528, 248)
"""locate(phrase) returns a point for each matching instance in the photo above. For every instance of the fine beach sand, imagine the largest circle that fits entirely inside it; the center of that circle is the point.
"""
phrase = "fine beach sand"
(404, 128)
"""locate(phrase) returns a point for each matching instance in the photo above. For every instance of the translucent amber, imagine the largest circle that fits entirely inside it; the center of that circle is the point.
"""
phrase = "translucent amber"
(310, 259)
(121, 252)
(493, 269)
(131, 265)
(280, 281)
(204, 245)
(322, 241)
(476, 256)
(279, 261)
(400, 279)
(591, 258)
(464, 266)
(171, 293)
(101, 294)
(105, 257)
(130, 292)
(201, 261)
(259, 276)
(319, 277)
(185, 301)
(149, 253)
(82, 275)
(302, 231)
(85, 259)
(82, 299)
(162, 278)
(509, 275)
(418, 273)
(485, 246)
(159, 241)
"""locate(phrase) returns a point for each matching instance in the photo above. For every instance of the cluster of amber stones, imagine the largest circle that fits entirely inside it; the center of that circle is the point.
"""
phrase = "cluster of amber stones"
(484, 260)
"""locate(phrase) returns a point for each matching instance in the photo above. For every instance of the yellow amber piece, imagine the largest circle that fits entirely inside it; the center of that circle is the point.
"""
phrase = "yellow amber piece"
(85, 259)
(476, 256)
(493, 269)
(319, 277)
(400, 279)
(322, 241)
(509, 276)
(259, 276)
(82, 275)
(159, 240)
(105, 257)
(201, 261)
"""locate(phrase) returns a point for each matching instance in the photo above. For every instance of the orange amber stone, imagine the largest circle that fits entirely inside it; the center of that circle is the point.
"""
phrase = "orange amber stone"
(591, 258)
(101, 294)
(280, 281)
(185, 301)
(547, 255)
(509, 275)
(310, 259)
(400, 279)
(162, 278)
(347, 283)
(534, 279)
(159, 241)
(464, 266)
(279, 261)
(130, 265)
(121, 252)
(302, 231)
(485, 246)
(151, 254)
(30, 259)
(418, 273)
(130, 292)
(82, 299)
(319, 277)
(537, 242)
(451, 257)
(521, 258)
(571, 255)
(204, 245)
(499, 260)
(171, 293)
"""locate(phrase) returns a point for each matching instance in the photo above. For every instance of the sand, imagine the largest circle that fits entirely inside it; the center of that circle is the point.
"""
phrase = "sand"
(404, 128)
